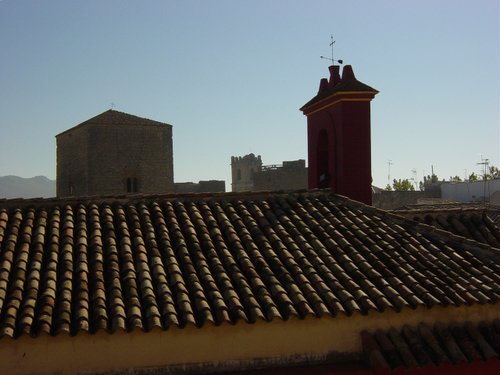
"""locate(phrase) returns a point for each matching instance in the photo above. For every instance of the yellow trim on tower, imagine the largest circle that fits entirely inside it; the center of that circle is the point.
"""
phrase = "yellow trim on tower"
(374, 92)
(337, 101)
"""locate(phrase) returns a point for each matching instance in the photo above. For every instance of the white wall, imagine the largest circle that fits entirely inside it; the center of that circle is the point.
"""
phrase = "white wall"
(469, 191)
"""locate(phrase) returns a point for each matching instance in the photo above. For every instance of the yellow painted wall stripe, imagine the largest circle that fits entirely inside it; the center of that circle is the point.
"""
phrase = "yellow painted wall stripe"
(338, 101)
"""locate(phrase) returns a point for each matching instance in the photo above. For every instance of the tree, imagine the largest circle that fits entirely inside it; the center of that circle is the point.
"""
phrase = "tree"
(402, 185)
(455, 179)
(494, 172)
(388, 187)
(430, 183)
(473, 177)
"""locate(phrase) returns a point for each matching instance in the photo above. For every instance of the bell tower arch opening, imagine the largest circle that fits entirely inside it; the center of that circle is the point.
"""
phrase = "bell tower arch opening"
(322, 159)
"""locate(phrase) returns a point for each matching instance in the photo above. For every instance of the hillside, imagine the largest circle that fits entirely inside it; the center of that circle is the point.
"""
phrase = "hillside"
(19, 187)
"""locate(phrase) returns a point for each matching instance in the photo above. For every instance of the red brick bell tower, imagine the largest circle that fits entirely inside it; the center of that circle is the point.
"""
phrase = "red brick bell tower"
(338, 135)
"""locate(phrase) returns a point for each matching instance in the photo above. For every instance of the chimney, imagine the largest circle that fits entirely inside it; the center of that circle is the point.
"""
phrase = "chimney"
(323, 85)
(338, 136)
(334, 75)
(348, 74)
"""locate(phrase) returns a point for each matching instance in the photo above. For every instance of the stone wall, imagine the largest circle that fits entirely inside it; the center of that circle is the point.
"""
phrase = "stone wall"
(72, 163)
(211, 186)
(242, 171)
(248, 174)
(292, 175)
(141, 152)
(390, 200)
(97, 159)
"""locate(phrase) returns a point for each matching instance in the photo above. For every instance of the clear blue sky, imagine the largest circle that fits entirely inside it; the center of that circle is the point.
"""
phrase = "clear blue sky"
(231, 75)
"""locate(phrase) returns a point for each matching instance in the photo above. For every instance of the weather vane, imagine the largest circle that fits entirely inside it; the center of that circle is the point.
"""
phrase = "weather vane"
(332, 42)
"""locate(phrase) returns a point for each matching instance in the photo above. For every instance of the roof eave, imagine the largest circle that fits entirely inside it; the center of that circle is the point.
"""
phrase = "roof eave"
(320, 99)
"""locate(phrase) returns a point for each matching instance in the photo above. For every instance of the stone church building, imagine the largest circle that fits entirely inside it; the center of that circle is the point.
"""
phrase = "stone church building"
(115, 153)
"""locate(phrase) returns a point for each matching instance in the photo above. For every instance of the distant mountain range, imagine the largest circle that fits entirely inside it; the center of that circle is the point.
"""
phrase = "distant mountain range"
(34, 187)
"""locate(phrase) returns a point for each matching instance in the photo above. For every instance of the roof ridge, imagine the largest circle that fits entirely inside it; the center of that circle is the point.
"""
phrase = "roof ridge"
(133, 198)
(448, 210)
(112, 116)
(488, 251)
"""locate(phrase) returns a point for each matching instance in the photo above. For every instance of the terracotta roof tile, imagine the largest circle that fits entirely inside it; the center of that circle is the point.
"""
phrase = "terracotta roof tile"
(430, 345)
(476, 222)
(151, 262)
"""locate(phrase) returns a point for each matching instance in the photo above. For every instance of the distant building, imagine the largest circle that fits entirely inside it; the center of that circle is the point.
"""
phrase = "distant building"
(478, 191)
(242, 171)
(211, 186)
(391, 200)
(440, 192)
(115, 153)
(292, 175)
(248, 174)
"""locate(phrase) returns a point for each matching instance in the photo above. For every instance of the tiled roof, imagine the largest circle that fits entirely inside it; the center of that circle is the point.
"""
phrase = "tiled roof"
(436, 345)
(158, 261)
(112, 117)
(478, 223)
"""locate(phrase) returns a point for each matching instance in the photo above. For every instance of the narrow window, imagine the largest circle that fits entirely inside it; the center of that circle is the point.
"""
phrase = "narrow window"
(323, 169)
(132, 185)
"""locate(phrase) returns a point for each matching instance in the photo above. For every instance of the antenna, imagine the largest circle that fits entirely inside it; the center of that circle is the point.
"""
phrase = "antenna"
(484, 163)
(332, 42)
(112, 105)
(389, 163)
(414, 178)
